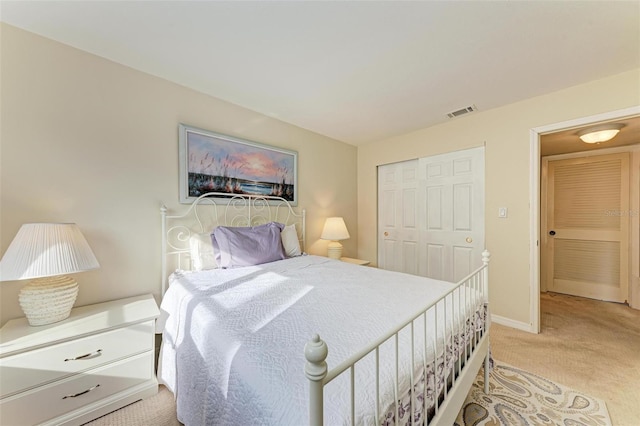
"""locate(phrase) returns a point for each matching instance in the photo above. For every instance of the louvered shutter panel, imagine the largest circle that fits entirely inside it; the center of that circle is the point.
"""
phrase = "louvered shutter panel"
(587, 196)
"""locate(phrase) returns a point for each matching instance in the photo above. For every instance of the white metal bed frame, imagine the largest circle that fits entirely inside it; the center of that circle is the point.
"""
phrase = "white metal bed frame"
(462, 373)
(235, 210)
(250, 210)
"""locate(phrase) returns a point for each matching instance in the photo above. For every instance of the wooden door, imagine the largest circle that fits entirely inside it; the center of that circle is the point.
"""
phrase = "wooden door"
(451, 212)
(397, 217)
(431, 215)
(586, 227)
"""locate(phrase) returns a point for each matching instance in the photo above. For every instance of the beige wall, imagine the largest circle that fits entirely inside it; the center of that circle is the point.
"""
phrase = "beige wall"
(505, 133)
(90, 141)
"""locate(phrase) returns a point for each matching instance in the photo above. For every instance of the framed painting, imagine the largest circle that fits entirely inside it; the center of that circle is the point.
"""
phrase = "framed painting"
(212, 162)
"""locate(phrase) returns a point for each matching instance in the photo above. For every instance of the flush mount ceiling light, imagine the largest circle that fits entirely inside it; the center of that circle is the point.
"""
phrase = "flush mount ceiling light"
(600, 133)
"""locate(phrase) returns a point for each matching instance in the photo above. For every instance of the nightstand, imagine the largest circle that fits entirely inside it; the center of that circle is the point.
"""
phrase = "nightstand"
(99, 359)
(355, 261)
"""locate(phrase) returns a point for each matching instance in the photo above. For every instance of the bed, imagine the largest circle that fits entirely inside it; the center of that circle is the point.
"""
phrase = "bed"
(302, 339)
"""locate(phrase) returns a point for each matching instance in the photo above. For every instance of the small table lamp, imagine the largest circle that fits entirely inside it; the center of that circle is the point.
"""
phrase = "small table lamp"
(45, 252)
(334, 230)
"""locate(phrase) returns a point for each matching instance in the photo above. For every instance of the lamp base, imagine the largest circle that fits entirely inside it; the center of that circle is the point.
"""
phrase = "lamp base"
(334, 250)
(48, 300)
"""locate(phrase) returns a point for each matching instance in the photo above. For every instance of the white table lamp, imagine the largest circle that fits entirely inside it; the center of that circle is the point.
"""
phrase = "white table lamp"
(334, 230)
(44, 253)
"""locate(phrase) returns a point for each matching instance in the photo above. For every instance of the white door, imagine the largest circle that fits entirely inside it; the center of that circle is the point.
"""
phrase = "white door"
(451, 211)
(397, 217)
(431, 215)
(586, 227)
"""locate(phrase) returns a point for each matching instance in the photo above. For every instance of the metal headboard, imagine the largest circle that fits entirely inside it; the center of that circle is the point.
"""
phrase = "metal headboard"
(220, 209)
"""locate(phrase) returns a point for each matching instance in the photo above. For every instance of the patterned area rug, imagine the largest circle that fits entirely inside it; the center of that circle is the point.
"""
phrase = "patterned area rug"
(518, 397)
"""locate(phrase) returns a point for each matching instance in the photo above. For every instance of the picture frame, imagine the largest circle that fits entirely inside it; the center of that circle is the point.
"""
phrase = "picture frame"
(213, 162)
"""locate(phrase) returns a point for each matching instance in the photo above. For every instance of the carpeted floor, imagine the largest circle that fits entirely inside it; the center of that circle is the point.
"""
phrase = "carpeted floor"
(585, 344)
(590, 346)
(158, 410)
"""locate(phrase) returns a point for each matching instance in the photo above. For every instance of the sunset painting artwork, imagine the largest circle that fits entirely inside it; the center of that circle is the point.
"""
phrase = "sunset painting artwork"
(218, 163)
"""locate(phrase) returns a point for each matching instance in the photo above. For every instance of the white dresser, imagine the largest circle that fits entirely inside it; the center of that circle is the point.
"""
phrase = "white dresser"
(99, 359)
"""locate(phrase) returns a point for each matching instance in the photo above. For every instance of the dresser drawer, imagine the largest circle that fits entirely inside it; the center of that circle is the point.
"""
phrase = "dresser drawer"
(28, 370)
(46, 402)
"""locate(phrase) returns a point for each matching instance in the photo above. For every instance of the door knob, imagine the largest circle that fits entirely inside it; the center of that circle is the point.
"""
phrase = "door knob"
(386, 234)
(552, 233)
(469, 239)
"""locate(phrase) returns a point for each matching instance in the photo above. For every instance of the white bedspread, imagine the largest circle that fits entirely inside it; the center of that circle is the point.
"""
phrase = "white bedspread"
(233, 339)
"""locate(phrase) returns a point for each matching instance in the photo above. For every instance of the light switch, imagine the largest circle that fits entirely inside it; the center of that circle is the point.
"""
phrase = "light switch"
(502, 212)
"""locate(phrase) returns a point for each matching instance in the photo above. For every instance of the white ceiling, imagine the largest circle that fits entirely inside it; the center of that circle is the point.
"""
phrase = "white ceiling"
(355, 71)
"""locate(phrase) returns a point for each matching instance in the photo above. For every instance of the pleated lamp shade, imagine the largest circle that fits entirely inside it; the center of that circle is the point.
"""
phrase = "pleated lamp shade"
(45, 253)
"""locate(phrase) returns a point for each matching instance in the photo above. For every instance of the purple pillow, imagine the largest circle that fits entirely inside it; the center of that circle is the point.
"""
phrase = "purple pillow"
(246, 246)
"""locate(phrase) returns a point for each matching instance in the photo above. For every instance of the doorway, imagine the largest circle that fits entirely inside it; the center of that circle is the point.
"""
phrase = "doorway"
(567, 130)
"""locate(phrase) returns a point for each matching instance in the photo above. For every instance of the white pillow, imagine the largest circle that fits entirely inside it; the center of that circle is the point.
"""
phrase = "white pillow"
(201, 250)
(290, 241)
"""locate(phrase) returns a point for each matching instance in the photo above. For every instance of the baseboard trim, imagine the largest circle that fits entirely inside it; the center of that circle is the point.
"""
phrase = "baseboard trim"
(512, 323)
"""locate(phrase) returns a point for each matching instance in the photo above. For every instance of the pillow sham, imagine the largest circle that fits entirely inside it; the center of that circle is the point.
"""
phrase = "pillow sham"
(245, 246)
(290, 241)
(201, 252)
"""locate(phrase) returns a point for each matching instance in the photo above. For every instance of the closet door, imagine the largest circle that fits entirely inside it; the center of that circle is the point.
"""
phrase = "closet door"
(431, 215)
(586, 240)
(451, 214)
(397, 217)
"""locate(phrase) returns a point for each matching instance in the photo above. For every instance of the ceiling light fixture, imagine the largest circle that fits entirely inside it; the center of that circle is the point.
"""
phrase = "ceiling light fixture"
(600, 133)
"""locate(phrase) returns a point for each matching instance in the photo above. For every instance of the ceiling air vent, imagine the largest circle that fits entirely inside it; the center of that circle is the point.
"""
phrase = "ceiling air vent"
(462, 111)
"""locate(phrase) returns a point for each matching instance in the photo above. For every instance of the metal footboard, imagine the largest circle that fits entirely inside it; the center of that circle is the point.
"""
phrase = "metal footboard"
(460, 346)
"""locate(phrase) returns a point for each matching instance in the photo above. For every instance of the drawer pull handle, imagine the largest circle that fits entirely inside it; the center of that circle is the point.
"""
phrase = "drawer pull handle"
(81, 393)
(96, 353)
